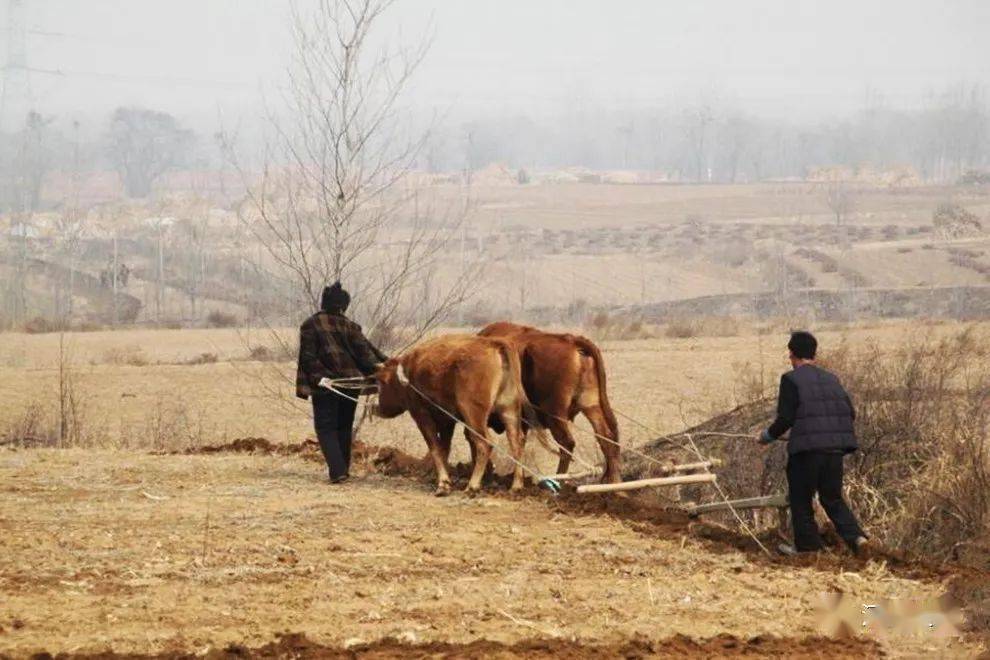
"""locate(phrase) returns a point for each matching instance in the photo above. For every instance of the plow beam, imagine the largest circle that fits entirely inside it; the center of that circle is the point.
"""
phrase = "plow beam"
(765, 502)
(647, 483)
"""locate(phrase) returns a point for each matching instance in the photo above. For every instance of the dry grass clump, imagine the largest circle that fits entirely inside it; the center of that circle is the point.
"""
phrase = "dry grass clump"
(702, 326)
(31, 428)
(169, 425)
(219, 319)
(203, 358)
(920, 481)
(40, 325)
(130, 355)
(827, 263)
(603, 326)
(969, 259)
(280, 352)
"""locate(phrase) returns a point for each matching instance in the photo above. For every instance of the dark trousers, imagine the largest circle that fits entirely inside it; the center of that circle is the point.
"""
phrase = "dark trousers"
(333, 417)
(818, 472)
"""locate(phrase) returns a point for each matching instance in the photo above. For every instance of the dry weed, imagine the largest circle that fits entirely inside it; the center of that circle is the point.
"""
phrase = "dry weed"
(130, 355)
(920, 481)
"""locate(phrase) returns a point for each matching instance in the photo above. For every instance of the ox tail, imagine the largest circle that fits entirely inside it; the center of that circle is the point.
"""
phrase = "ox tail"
(510, 357)
(589, 347)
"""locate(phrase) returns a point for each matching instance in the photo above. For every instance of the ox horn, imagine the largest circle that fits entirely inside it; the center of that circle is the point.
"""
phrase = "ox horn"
(400, 373)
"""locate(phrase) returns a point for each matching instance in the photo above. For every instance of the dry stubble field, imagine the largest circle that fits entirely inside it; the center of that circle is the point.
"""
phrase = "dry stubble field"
(124, 548)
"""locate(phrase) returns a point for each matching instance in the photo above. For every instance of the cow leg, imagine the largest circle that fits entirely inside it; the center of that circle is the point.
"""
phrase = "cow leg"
(428, 428)
(446, 434)
(489, 469)
(517, 443)
(481, 451)
(609, 449)
(561, 432)
(476, 421)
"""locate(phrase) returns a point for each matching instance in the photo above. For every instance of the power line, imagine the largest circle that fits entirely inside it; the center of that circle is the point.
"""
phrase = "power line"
(15, 98)
(159, 80)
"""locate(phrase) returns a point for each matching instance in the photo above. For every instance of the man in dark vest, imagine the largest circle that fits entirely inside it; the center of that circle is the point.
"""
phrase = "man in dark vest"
(816, 409)
(333, 346)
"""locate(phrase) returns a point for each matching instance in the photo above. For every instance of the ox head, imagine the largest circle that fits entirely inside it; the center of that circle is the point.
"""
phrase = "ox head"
(392, 383)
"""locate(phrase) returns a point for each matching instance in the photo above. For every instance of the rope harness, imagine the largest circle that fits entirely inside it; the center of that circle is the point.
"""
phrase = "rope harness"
(542, 481)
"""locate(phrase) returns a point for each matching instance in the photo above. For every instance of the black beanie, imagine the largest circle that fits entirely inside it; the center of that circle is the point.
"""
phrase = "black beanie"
(334, 298)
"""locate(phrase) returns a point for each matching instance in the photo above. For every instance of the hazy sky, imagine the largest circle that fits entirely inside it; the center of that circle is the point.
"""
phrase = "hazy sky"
(802, 58)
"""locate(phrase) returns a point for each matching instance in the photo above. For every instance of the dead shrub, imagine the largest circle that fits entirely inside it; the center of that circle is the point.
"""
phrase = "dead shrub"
(828, 264)
(854, 277)
(203, 358)
(280, 353)
(602, 326)
(920, 481)
(953, 221)
(702, 326)
(32, 428)
(219, 319)
(130, 355)
(40, 325)
(170, 426)
(682, 329)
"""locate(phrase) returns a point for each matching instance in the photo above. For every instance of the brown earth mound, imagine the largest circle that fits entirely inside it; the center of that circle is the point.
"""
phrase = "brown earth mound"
(255, 446)
(723, 646)
(383, 460)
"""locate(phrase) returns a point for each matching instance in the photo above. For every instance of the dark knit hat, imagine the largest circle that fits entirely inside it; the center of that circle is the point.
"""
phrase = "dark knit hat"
(803, 345)
(334, 298)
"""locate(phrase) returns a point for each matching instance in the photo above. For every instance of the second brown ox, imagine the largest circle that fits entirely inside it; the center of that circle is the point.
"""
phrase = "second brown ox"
(564, 375)
(473, 379)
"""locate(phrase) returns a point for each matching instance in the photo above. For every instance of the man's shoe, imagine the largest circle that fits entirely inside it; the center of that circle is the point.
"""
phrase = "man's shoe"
(787, 550)
(863, 548)
(341, 479)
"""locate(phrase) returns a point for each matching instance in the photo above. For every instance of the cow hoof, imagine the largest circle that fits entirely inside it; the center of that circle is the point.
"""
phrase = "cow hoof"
(473, 490)
(442, 490)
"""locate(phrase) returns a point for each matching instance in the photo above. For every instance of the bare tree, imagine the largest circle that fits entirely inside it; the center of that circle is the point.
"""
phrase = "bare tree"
(336, 198)
(144, 144)
(840, 200)
(700, 117)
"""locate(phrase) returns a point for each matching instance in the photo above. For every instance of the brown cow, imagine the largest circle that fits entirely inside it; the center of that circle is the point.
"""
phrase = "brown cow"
(470, 377)
(564, 375)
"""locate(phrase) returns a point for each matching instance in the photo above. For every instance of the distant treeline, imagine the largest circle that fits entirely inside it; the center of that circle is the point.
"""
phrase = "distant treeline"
(948, 136)
(946, 139)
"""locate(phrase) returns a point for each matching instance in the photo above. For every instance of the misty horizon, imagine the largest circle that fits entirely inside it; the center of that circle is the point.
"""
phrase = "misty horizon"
(212, 63)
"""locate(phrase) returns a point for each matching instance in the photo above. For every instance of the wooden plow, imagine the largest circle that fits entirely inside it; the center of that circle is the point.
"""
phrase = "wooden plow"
(667, 469)
(674, 480)
(778, 501)
(647, 483)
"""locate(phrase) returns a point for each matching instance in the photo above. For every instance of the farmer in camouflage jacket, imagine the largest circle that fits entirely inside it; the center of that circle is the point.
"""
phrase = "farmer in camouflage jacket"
(333, 346)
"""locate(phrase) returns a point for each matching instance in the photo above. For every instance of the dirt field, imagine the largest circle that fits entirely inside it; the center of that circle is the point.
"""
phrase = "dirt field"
(566, 245)
(133, 552)
(123, 547)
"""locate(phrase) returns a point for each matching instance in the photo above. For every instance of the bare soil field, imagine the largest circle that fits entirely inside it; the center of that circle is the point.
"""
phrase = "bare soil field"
(564, 245)
(624, 245)
(129, 543)
(132, 552)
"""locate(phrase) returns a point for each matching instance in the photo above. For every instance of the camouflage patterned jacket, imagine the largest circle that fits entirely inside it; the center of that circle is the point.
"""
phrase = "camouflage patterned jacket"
(332, 346)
